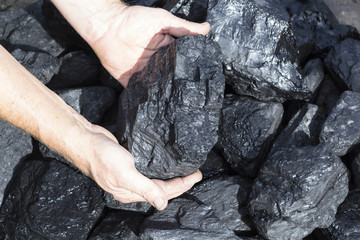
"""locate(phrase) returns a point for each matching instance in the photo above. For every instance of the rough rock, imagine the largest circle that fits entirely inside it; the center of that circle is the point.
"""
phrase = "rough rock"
(344, 62)
(91, 102)
(117, 225)
(227, 196)
(78, 69)
(347, 221)
(313, 74)
(142, 207)
(15, 144)
(259, 49)
(42, 65)
(296, 191)
(341, 131)
(169, 113)
(246, 130)
(6, 5)
(191, 10)
(49, 200)
(215, 164)
(185, 219)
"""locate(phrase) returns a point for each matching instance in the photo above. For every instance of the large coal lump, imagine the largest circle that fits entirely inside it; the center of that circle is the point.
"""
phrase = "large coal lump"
(296, 191)
(185, 219)
(227, 196)
(170, 112)
(246, 130)
(259, 49)
(344, 62)
(47, 199)
(15, 144)
(341, 130)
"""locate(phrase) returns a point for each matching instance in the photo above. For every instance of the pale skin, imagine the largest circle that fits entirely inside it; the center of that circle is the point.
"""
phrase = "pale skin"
(123, 38)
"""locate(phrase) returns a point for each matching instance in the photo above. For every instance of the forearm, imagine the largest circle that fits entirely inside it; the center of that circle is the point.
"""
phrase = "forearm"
(28, 104)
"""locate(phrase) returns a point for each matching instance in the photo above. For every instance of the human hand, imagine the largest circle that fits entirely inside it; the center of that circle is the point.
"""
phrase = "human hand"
(112, 167)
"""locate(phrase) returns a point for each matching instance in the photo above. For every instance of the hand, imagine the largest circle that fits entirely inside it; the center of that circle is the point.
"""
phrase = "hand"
(112, 167)
(134, 33)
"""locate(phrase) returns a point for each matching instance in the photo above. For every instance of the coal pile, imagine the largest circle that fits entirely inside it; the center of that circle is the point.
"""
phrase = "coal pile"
(267, 106)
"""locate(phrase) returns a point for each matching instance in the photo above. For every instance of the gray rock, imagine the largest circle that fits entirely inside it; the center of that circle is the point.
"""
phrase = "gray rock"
(191, 10)
(347, 221)
(170, 111)
(340, 131)
(110, 202)
(259, 49)
(313, 74)
(15, 144)
(296, 191)
(246, 130)
(344, 63)
(185, 219)
(227, 196)
(42, 65)
(49, 200)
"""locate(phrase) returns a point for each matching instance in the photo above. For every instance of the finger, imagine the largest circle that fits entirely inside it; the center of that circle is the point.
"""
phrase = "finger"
(180, 27)
(177, 186)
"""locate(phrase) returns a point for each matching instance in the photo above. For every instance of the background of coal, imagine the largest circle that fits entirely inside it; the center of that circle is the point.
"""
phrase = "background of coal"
(284, 164)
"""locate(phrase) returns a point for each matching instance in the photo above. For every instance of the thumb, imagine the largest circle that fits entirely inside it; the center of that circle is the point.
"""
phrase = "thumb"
(179, 27)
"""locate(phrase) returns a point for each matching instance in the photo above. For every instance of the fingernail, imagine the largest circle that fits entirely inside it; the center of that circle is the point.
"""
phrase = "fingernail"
(159, 203)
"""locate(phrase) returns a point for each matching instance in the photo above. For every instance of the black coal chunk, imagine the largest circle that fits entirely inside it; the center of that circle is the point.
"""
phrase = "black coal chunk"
(259, 49)
(47, 199)
(42, 65)
(341, 131)
(355, 169)
(170, 111)
(344, 62)
(246, 130)
(347, 221)
(227, 196)
(142, 207)
(185, 219)
(191, 10)
(296, 191)
(6, 5)
(313, 74)
(15, 144)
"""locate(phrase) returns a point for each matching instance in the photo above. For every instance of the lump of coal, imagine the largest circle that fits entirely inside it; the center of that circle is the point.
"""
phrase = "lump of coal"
(259, 49)
(227, 196)
(6, 5)
(15, 145)
(47, 199)
(170, 111)
(313, 74)
(191, 10)
(344, 62)
(246, 130)
(341, 130)
(296, 191)
(42, 65)
(185, 219)
(347, 221)
(78, 69)
(110, 202)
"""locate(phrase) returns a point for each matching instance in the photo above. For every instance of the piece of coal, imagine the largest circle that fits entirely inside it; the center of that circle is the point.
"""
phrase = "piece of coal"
(227, 196)
(340, 131)
(215, 164)
(302, 130)
(191, 10)
(344, 62)
(117, 225)
(313, 74)
(259, 49)
(170, 112)
(347, 221)
(47, 199)
(78, 69)
(355, 168)
(185, 219)
(296, 191)
(6, 5)
(246, 130)
(142, 207)
(23, 29)
(15, 145)
(42, 65)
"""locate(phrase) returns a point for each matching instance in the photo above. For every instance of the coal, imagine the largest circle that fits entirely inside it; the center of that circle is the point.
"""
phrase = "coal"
(313, 74)
(50, 200)
(259, 49)
(42, 65)
(296, 191)
(246, 130)
(347, 221)
(185, 219)
(230, 203)
(147, 3)
(215, 164)
(340, 131)
(169, 113)
(344, 62)
(15, 144)
(6, 5)
(191, 10)
(355, 167)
